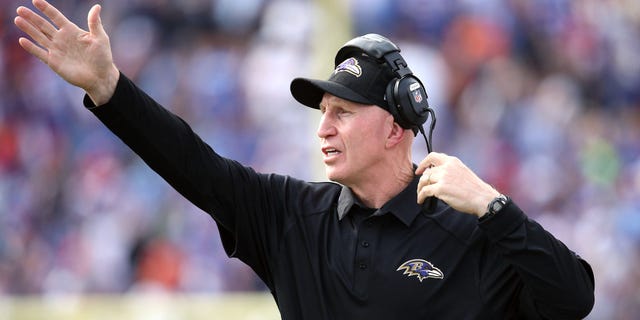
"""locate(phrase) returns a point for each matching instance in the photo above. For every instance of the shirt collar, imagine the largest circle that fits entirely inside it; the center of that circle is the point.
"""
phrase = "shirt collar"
(345, 202)
(403, 205)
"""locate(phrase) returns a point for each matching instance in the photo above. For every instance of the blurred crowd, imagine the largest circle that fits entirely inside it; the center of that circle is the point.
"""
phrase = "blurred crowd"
(541, 98)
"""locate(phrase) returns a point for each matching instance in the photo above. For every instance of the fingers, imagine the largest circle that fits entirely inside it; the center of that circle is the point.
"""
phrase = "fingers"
(428, 176)
(51, 12)
(40, 30)
(435, 169)
(35, 26)
(431, 160)
(427, 168)
(94, 21)
(426, 192)
(426, 184)
(33, 49)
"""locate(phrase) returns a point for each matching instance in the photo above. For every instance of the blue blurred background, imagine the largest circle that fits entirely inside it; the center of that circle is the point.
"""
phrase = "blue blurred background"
(541, 98)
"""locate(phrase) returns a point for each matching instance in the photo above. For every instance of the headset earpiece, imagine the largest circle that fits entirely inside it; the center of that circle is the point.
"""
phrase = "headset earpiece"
(405, 94)
(410, 99)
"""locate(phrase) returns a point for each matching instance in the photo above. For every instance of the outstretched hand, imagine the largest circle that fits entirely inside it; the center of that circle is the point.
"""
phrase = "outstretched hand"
(450, 180)
(81, 58)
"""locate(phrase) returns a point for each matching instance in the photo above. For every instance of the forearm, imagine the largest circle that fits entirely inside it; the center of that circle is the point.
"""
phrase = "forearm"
(168, 145)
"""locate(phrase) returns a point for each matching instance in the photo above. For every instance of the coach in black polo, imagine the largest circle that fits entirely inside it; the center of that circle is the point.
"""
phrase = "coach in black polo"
(362, 246)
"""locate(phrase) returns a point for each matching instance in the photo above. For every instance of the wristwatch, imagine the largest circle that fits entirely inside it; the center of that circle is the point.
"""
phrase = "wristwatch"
(496, 205)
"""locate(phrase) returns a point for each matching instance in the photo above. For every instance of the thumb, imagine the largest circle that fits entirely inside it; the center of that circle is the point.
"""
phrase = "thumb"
(94, 21)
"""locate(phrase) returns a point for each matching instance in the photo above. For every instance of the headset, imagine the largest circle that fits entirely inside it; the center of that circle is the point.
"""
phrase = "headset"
(406, 95)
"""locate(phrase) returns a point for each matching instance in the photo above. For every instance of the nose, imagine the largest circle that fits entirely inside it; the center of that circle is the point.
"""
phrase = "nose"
(326, 127)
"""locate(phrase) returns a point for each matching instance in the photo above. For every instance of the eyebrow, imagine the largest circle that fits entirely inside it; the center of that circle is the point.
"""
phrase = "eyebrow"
(343, 104)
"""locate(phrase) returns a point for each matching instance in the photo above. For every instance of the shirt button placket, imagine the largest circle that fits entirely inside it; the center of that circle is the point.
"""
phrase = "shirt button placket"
(364, 244)
(364, 255)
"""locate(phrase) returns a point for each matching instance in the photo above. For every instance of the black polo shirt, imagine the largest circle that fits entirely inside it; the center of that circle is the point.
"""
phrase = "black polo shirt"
(324, 255)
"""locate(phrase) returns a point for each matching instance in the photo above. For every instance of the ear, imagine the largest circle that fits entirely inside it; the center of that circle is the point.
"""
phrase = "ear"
(396, 135)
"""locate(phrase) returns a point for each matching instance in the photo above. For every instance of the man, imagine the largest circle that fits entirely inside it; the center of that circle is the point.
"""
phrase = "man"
(364, 247)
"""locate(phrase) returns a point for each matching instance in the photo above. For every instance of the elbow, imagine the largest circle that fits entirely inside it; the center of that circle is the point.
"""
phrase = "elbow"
(578, 307)
(572, 301)
(584, 304)
(582, 295)
(575, 303)
(583, 298)
(586, 299)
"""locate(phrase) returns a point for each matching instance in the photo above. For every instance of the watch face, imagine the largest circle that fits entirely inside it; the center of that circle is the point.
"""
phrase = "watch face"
(498, 203)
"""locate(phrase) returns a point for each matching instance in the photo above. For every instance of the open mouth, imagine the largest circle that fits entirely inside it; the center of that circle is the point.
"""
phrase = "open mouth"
(330, 152)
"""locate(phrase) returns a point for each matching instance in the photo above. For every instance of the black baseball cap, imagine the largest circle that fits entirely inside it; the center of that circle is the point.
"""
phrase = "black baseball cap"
(359, 78)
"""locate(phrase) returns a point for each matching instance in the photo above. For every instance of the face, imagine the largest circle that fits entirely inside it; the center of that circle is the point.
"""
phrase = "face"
(352, 138)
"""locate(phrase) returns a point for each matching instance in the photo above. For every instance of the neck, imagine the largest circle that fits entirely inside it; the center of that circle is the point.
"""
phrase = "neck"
(381, 187)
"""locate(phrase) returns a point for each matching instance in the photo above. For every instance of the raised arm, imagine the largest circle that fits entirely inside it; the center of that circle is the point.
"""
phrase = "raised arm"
(82, 58)
(558, 283)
